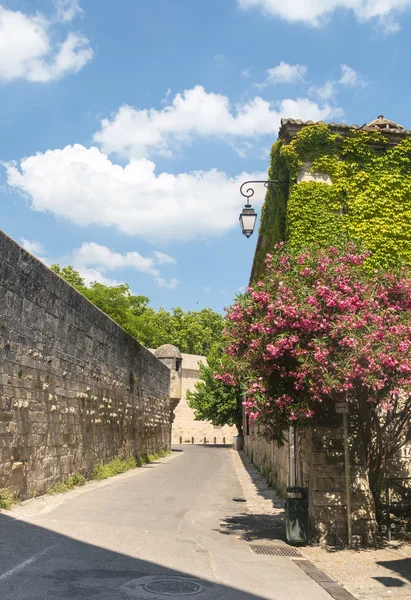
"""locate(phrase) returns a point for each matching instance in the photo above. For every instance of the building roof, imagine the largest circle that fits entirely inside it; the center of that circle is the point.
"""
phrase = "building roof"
(395, 132)
(167, 351)
(191, 362)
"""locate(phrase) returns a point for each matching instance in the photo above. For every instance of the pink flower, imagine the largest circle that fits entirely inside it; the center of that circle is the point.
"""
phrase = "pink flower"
(344, 331)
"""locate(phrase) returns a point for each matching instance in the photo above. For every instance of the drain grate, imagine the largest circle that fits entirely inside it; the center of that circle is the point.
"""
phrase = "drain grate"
(275, 551)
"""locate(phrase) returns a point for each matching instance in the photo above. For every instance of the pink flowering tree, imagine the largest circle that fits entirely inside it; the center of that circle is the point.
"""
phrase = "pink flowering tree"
(316, 330)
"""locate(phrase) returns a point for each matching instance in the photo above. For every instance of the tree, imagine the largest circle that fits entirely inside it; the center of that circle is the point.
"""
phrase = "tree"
(213, 400)
(193, 332)
(72, 276)
(116, 301)
(317, 329)
(120, 304)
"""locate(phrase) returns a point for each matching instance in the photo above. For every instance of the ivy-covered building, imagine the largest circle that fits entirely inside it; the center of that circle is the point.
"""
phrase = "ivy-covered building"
(340, 181)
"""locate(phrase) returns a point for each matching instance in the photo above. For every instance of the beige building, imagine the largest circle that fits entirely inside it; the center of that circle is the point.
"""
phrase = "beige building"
(185, 372)
(185, 427)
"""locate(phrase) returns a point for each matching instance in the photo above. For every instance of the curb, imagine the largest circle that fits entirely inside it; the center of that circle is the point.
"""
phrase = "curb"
(328, 584)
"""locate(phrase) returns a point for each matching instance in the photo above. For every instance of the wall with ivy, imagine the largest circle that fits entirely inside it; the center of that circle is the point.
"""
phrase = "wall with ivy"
(369, 200)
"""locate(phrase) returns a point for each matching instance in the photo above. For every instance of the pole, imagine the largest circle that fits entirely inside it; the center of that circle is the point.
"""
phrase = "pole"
(387, 502)
(347, 477)
(291, 438)
(295, 456)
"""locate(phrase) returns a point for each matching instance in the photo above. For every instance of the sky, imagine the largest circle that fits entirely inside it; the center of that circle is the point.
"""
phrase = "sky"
(128, 126)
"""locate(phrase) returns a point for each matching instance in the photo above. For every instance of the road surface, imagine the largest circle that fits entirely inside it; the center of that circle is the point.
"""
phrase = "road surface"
(149, 534)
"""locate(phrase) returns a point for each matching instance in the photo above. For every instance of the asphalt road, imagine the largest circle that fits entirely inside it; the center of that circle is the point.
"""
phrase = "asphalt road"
(151, 533)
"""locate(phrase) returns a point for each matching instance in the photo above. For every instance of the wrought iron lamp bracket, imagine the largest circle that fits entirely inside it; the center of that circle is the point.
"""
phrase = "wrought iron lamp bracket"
(250, 191)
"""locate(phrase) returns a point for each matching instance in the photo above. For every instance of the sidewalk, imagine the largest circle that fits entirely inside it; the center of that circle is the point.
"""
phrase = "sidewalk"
(366, 574)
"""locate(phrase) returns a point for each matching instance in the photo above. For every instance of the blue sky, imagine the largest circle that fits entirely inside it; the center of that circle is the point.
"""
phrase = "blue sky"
(127, 127)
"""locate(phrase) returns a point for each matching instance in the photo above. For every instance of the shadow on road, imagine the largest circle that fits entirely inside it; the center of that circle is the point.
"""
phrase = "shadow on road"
(252, 527)
(37, 563)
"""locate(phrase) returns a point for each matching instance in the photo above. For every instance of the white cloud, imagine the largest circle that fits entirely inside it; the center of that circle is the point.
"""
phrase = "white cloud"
(388, 25)
(66, 10)
(93, 261)
(137, 133)
(264, 154)
(27, 51)
(84, 186)
(88, 274)
(103, 259)
(167, 96)
(241, 148)
(246, 72)
(92, 254)
(219, 57)
(91, 275)
(330, 89)
(33, 247)
(73, 54)
(327, 91)
(283, 73)
(207, 289)
(316, 12)
(171, 285)
(304, 108)
(164, 259)
(350, 78)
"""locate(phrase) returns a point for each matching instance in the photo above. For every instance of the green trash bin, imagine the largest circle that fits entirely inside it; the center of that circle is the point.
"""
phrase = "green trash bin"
(296, 515)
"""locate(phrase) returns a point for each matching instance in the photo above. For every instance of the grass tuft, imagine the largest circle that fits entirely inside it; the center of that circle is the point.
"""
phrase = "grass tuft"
(114, 467)
(68, 484)
(119, 465)
(7, 500)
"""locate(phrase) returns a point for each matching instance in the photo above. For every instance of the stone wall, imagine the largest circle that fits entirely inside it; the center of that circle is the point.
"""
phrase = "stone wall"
(273, 462)
(185, 427)
(320, 469)
(75, 388)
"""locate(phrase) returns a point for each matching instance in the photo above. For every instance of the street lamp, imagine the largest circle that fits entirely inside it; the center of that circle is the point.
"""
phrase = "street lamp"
(248, 216)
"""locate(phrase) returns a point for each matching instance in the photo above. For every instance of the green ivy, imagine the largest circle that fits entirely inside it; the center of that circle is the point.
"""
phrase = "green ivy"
(368, 202)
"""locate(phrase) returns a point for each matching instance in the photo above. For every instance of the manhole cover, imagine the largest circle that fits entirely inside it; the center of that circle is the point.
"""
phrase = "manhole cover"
(170, 587)
(275, 550)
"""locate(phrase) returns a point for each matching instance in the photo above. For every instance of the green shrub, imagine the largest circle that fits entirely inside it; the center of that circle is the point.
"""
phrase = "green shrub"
(100, 472)
(114, 467)
(144, 459)
(68, 484)
(163, 453)
(78, 479)
(7, 500)
(58, 488)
